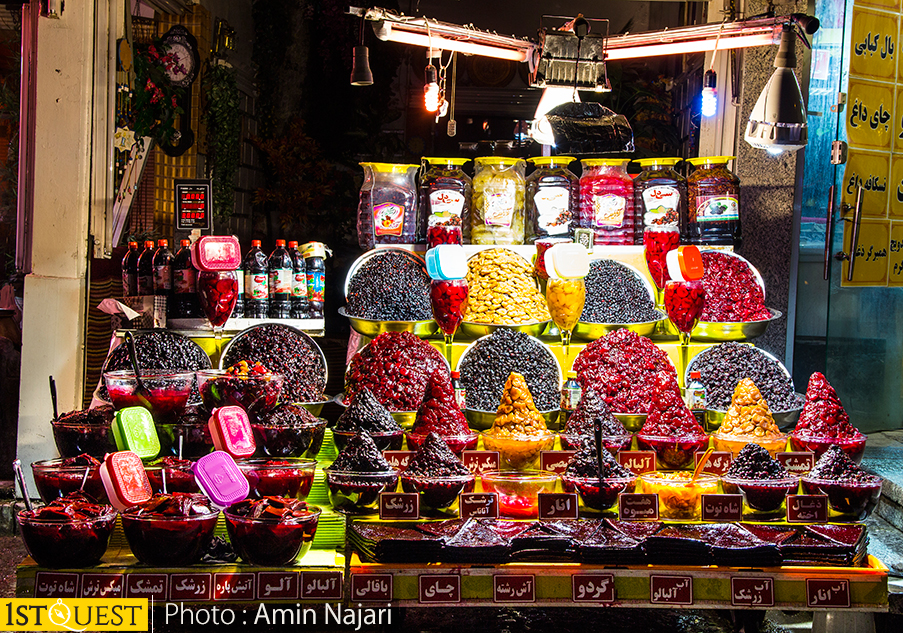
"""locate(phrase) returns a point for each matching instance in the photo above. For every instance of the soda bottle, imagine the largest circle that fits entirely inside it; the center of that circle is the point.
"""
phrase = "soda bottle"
(570, 397)
(315, 262)
(696, 397)
(460, 390)
(299, 305)
(257, 293)
(163, 269)
(184, 303)
(146, 270)
(279, 266)
(130, 271)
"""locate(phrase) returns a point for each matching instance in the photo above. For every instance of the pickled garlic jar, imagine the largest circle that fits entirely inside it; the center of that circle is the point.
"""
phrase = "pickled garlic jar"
(713, 202)
(606, 201)
(387, 208)
(659, 193)
(446, 194)
(498, 201)
(552, 196)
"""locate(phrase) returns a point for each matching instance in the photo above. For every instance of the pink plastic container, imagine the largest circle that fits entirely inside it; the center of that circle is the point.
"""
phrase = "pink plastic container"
(231, 431)
(124, 479)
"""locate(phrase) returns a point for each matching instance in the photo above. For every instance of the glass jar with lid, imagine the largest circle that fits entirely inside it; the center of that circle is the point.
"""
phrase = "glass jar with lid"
(606, 200)
(713, 202)
(387, 208)
(659, 194)
(498, 201)
(445, 197)
(551, 198)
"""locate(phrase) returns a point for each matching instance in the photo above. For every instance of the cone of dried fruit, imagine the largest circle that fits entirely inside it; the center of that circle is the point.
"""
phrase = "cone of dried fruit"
(439, 413)
(749, 419)
(358, 475)
(852, 492)
(365, 413)
(670, 429)
(823, 422)
(582, 424)
(437, 475)
(519, 432)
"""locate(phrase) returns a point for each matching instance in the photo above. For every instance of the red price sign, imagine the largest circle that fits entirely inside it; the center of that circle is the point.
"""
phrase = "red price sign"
(192, 204)
(277, 584)
(717, 463)
(399, 505)
(186, 587)
(514, 588)
(637, 507)
(797, 462)
(593, 587)
(638, 461)
(146, 586)
(371, 587)
(233, 586)
(321, 585)
(807, 509)
(483, 505)
(480, 462)
(399, 459)
(102, 585)
(671, 590)
(749, 591)
(827, 593)
(555, 461)
(722, 507)
(438, 588)
(558, 505)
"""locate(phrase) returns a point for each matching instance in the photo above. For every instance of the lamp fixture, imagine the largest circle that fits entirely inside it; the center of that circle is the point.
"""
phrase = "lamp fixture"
(361, 75)
(432, 96)
(540, 128)
(778, 120)
(709, 94)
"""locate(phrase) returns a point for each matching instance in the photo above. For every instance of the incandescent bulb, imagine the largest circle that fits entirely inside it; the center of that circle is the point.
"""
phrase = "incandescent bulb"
(431, 96)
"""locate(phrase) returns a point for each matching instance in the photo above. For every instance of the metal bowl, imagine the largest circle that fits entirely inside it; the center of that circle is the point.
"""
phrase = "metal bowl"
(468, 349)
(754, 270)
(784, 419)
(482, 420)
(372, 329)
(727, 331)
(405, 419)
(363, 259)
(316, 407)
(471, 330)
(633, 422)
(768, 355)
(592, 331)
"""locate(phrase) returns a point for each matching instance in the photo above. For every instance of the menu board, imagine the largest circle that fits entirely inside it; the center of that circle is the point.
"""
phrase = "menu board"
(193, 205)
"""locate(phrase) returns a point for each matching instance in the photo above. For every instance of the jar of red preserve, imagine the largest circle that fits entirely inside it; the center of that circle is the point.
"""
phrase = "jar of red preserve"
(713, 202)
(552, 197)
(606, 201)
(660, 194)
(445, 199)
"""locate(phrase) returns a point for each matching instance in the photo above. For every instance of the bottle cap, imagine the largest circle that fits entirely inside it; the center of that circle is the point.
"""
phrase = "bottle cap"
(685, 263)
(255, 243)
(567, 261)
(572, 374)
(216, 252)
(450, 162)
(131, 244)
(280, 243)
(148, 243)
(695, 375)
(163, 243)
(446, 261)
(185, 243)
(125, 480)
(134, 430)
(456, 375)
(231, 431)
(293, 244)
(219, 477)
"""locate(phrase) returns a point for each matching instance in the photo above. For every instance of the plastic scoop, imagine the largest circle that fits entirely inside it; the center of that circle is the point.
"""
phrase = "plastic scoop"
(231, 431)
(125, 480)
(685, 263)
(140, 389)
(216, 252)
(20, 477)
(56, 414)
(701, 465)
(567, 261)
(446, 261)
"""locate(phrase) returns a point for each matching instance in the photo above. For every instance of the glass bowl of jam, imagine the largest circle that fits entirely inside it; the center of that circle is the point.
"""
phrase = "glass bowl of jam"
(72, 531)
(598, 495)
(282, 477)
(166, 393)
(358, 492)
(55, 478)
(170, 530)
(272, 531)
(518, 491)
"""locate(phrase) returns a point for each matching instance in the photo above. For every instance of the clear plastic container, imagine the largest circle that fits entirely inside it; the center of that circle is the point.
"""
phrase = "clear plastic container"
(659, 194)
(552, 198)
(446, 195)
(606, 201)
(387, 209)
(713, 203)
(498, 201)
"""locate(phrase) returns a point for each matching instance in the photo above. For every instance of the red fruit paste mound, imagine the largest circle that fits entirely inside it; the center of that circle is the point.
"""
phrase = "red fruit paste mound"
(668, 414)
(396, 367)
(439, 413)
(622, 366)
(823, 415)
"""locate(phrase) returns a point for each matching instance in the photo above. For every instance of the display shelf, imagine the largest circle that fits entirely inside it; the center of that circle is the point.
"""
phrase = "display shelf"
(201, 327)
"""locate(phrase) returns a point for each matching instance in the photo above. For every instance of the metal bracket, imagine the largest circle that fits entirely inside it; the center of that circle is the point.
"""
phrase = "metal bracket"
(838, 152)
(841, 101)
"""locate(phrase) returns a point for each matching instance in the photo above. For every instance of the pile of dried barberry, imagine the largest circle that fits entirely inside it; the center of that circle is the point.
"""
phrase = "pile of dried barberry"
(390, 286)
(616, 294)
(755, 464)
(836, 465)
(435, 459)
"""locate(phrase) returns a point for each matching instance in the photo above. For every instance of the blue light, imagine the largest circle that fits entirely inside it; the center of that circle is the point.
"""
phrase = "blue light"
(709, 102)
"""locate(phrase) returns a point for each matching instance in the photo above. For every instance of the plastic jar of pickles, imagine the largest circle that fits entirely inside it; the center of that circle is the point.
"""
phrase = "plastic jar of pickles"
(606, 201)
(713, 202)
(446, 194)
(552, 196)
(387, 209)
(498, 201)
(660, 194)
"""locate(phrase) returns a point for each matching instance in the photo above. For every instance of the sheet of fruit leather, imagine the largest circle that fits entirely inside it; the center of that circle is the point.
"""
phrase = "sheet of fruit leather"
(637, 530)
(389, 543)
(734, 545)
(679, 545)
(475, 543)
(776, 534)
(607, 545)
(507, 528)
(806, 547)
(448, 527)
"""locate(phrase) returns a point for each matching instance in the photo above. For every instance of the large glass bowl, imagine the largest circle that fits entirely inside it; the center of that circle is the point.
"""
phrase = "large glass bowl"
(519, 452)
(735, 443)
(518, 491)
(598, 495)
(763, 498)
(847, 500)
(438, 494)
(66, 543)
(358, 493)
(164, 541)
(255, 394)
(166, 393)
(74, 439)
(673, 452)
(679, 498)
(282, 477)
(260, 541)
(289, 440)
(54, 480)
(853, 447)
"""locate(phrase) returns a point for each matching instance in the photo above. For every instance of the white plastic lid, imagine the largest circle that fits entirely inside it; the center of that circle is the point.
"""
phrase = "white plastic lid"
(685, 263)
(446, 261)
(567, 261)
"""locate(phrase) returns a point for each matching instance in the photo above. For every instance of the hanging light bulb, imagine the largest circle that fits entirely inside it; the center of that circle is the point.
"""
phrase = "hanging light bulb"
(432, 96)
(709, 94)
